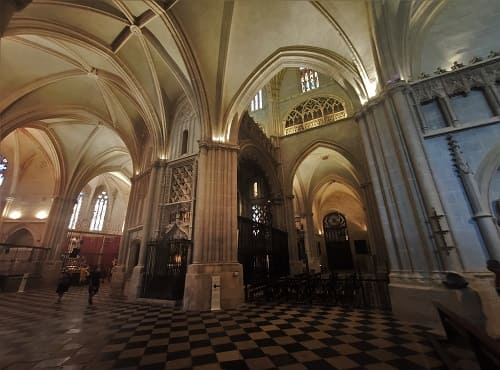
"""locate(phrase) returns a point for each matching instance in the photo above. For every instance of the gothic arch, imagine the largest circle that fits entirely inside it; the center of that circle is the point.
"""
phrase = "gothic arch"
(299, 158)
(321, 60)
(20, 235)
(252, 152)
(185, 118)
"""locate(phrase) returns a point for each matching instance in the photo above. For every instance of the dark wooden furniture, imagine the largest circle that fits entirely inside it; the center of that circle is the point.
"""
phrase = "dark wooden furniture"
(462, 333)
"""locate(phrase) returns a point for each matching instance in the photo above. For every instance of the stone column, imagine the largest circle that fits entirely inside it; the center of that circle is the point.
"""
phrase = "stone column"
(135, 285)
(481, 213)
(55, 235)
(157, 202)
(493, 99)
(215, 238)
(449, 254)
(274, 106)
(5, 212)
(312, 252)
(375, 235)
(296, 266)
(449, 115)
(491, 93)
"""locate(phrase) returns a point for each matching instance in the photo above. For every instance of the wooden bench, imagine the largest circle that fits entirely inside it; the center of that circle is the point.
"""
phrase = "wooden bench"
(461, 332)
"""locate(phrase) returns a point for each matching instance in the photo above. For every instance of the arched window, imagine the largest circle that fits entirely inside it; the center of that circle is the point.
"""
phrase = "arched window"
(76, 212)
(314, 112)
(184, 146)
(255, 189)
(99, 212)
(3, 168)
(256, 103)
(309, 79)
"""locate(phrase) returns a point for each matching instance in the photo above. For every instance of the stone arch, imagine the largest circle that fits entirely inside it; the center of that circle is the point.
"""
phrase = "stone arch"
(324, 61)
(20, 236)
(34, 118)
(299, 158)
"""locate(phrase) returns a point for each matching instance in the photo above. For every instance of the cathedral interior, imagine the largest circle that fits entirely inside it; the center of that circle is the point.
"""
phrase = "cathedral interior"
(273, 167)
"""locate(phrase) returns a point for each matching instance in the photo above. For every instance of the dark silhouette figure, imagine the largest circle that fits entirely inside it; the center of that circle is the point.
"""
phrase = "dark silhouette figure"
(94, 283)
(63, 285)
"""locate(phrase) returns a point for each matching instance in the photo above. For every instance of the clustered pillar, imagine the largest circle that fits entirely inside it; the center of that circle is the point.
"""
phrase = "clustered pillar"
(215, 231)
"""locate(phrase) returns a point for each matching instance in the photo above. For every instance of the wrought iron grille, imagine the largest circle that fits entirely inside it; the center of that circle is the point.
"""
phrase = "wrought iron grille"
(262, 250)
(165, 269)
(349, 290)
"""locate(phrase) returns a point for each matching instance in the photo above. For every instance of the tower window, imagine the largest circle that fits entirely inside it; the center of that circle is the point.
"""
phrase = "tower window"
(76, 211)
(256, 103)
(309, 79)
(101, 204)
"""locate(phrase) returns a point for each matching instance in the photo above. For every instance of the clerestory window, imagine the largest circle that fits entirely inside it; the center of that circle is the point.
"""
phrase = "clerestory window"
(309, 79)
(256, 103)
(3, 168)
(76, 211)
(101, 204)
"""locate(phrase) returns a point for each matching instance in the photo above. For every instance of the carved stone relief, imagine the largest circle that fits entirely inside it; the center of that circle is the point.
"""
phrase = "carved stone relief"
(176, 206)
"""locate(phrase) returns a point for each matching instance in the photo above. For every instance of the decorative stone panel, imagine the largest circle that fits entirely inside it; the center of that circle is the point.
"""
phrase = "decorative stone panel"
(457, 81)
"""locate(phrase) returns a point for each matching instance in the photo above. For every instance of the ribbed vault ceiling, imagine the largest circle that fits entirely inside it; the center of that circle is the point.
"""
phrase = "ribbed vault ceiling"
(119, 66)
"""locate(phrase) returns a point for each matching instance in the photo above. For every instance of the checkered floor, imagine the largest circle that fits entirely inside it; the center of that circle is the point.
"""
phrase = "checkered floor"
(36, 332)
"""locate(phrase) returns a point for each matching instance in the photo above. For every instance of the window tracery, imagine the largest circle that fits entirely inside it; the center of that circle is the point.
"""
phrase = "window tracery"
(100, 207)
(309, 79)
(314, 112)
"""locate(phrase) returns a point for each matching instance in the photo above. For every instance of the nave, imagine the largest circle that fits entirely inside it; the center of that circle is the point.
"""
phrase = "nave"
(38, 333)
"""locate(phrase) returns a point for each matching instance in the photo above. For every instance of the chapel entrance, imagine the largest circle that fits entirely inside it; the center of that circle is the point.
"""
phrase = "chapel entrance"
(337, 245)
(165, 269)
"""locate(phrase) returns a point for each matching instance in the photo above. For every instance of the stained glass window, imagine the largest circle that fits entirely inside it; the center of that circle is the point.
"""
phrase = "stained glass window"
(309, 79)
(3, 168)
(256, 103)
(99, 212)
(76, 212)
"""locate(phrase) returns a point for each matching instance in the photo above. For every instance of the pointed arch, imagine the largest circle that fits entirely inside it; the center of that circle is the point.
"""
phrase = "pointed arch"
(322, 60)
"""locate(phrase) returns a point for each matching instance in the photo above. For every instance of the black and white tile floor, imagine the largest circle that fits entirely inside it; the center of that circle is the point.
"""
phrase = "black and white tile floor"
(38, 333)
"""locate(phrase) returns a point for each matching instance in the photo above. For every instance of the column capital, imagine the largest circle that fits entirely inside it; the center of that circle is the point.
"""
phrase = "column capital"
(215, 145)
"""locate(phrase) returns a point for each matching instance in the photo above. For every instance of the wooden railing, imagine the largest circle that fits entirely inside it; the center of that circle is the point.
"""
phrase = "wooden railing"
(18, 263)
(462, 333)
(349, 290)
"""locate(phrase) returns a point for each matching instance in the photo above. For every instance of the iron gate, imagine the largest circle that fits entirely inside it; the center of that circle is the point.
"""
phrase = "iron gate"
(165, 269)
(262, 250)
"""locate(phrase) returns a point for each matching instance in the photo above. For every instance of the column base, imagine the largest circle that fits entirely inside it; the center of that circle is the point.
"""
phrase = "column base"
(484, 285)
(314, 265)
(412, 300)
(135, 283)
(117, 282)
(198, 287)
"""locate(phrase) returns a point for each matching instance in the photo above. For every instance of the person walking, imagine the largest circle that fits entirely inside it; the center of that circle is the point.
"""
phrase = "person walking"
(94, 282)
(84, 272)
(63, 285)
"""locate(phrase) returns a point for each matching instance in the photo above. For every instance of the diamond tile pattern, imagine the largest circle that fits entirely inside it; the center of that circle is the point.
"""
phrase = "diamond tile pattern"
(36, 332)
